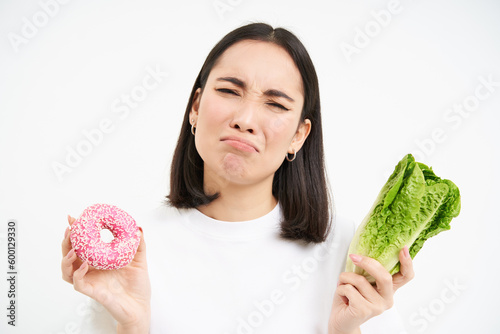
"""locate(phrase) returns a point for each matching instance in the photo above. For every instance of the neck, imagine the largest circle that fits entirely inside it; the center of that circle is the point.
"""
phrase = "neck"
(240, 202)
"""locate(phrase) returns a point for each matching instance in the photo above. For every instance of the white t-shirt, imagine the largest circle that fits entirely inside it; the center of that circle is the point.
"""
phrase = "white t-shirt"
(215, 277)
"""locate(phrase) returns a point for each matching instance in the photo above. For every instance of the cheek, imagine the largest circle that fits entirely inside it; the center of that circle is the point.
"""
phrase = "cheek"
(277, 127)
(213, 112)
(279, 132)
(212, 118)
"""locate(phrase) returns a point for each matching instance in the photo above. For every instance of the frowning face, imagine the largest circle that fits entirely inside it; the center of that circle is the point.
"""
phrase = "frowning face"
(248, 116)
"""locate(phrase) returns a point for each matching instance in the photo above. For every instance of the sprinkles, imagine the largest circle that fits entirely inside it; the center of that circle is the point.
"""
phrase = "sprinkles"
(86, 237)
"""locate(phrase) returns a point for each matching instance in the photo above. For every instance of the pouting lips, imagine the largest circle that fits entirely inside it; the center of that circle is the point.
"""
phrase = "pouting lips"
(240, 143)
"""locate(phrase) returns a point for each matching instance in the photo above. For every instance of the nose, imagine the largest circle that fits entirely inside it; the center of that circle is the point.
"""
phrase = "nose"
(245, 118)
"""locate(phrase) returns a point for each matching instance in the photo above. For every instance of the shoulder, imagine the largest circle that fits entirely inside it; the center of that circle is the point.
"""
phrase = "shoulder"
(162, 215)
(162, 222)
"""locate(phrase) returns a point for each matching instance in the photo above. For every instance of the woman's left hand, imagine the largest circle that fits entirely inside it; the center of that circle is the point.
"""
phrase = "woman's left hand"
(356, 300)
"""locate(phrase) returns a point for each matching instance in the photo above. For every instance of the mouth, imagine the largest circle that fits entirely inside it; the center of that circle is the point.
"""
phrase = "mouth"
(240, 143)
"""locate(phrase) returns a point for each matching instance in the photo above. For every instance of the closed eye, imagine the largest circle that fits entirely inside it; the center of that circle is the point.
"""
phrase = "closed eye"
(228, 91)
(278, 106)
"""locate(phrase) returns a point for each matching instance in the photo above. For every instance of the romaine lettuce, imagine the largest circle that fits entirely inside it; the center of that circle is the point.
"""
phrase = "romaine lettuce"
(412, 206)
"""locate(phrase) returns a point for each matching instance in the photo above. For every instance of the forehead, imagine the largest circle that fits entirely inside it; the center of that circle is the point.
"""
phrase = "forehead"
(263, 63)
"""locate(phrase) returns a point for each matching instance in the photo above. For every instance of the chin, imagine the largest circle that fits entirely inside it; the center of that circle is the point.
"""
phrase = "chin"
(234, 165)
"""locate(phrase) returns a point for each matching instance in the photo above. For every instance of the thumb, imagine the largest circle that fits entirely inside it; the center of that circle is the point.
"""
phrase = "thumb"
(140, 255)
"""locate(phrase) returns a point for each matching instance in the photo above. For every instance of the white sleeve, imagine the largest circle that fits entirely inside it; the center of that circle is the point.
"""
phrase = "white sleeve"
(95, 319)
(389, 322)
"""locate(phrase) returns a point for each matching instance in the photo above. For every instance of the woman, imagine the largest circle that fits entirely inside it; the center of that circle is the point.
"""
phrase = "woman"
(251, 247)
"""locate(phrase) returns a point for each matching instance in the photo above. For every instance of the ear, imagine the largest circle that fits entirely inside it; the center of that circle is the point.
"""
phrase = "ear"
(300, 136)
(193, 114)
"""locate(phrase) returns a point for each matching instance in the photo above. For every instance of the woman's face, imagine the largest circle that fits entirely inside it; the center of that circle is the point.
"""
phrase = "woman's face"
(247, 118)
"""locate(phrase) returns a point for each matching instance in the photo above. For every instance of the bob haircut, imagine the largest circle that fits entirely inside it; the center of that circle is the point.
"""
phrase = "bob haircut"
(299, 186)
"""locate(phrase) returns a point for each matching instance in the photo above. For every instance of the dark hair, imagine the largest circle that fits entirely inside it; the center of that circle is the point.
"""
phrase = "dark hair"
(300, 186)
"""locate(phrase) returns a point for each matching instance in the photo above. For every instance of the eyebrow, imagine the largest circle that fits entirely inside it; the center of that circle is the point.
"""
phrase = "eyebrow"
(269, 92)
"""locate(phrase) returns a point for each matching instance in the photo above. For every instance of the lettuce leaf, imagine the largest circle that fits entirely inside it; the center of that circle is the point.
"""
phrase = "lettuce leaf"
(413, 206)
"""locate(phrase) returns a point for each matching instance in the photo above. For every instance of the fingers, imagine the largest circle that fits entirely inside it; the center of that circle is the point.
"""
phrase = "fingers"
(406, 272)
(80, 272)
(79, 282)
(349, 294)
(142, 244)
(67, 266)
(361, 308)
(69, 256)
(382, 277)
(71, 220)
(361, 284)
(140, 255)
(66, 244)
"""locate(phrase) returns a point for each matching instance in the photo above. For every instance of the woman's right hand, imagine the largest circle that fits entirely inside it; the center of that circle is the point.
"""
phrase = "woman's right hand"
(124, 292)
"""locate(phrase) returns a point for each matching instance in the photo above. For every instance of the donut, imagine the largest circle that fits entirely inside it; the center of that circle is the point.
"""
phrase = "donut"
(88, 245)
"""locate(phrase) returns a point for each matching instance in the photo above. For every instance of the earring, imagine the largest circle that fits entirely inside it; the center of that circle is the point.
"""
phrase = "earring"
(294, 155)
(192, 127)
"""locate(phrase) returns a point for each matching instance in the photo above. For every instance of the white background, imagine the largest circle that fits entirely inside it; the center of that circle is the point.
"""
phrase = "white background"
(385, 102)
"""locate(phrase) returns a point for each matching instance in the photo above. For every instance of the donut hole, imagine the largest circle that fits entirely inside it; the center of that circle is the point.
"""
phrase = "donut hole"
(106, 235)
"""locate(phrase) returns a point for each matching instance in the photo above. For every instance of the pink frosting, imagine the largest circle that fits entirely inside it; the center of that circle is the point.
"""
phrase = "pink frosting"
(86, 237)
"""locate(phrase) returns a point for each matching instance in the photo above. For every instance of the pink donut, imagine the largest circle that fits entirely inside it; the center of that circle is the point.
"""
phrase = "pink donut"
(86, 237)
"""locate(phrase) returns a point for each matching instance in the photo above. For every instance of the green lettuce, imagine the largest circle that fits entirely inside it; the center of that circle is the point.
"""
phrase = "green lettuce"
(412, 206)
